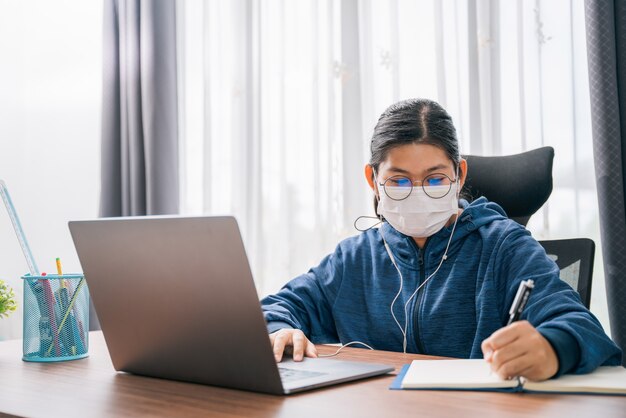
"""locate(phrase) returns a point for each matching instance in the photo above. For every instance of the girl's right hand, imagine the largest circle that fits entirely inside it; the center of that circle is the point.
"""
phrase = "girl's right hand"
(293, 341)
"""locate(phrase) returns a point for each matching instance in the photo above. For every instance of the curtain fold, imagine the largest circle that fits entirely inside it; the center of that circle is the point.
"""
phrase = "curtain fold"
(139, 109)
(139, 166)
(606, 49)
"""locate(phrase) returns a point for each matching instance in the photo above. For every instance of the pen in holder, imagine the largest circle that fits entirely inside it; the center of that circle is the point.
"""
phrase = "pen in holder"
(56, 317)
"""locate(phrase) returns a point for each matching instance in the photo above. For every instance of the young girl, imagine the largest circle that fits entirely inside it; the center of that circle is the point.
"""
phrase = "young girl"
(439, 275)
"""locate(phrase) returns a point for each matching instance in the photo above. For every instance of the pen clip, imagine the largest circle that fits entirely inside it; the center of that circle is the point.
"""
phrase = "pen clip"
(520, 300)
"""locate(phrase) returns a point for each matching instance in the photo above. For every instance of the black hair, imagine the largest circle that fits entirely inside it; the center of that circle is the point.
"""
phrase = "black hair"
(413, 121)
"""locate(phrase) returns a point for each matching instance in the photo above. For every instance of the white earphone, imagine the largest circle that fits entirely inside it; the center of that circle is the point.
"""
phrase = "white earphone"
(393, 261)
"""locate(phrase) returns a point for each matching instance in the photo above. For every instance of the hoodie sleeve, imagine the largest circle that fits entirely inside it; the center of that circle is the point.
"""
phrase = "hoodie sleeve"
(306, 302)
(554, 308)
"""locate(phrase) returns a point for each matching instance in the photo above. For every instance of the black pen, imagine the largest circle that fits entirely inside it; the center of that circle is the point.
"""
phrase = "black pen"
(523, 293)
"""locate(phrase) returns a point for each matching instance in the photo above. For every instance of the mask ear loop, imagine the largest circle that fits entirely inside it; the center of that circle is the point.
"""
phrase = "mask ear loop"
(377, 218)
(356, 221)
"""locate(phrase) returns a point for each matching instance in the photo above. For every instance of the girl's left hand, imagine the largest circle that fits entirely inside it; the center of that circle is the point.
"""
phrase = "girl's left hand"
(520, 350)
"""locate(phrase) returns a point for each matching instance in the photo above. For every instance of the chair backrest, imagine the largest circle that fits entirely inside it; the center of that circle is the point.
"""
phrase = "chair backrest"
(520, 183)
(575, 260)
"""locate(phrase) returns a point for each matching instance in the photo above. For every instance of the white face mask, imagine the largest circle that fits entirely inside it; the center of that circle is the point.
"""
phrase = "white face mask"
(419, 215)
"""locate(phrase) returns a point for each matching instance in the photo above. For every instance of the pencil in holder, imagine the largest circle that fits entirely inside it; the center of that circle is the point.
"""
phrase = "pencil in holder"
(56, 317)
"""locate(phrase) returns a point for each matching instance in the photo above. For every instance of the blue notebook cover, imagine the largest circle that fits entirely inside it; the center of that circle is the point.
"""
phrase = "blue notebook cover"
(397, 382)
(397, 385)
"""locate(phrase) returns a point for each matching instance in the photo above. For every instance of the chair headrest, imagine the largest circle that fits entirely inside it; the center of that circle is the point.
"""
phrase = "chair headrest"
(520, 183)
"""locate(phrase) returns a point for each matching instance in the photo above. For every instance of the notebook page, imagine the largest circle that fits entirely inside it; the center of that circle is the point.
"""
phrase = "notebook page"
(453, 374)
(604, 379)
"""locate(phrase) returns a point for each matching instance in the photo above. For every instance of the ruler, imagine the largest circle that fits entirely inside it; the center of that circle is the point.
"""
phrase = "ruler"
(15, 220)
(37, 286)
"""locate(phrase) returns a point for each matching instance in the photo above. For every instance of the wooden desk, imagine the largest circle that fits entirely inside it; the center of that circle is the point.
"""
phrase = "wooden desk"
(90, 387)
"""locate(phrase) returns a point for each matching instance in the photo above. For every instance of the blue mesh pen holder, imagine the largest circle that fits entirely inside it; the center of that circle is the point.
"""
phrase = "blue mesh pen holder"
(56, 317)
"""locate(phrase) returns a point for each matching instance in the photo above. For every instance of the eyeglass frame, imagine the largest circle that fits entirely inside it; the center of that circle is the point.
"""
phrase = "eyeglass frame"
(421, 184)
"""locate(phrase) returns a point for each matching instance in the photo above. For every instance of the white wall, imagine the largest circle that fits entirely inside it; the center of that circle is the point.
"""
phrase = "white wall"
(50, 91)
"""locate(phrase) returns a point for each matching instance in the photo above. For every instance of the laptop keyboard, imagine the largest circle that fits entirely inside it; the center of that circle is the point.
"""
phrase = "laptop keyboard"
(289, 375)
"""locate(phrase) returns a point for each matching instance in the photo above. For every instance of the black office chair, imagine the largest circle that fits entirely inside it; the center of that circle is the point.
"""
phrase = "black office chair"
(575, 260)
(521, 184)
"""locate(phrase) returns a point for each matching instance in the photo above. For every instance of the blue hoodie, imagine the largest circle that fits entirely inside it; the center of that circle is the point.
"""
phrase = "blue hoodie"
(348, 296)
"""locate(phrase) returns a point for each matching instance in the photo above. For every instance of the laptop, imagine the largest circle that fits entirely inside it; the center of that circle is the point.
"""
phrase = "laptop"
(176, 300)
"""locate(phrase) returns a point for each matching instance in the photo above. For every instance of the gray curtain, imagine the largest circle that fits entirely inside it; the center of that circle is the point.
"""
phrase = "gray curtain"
(606, 51)
(139, 110)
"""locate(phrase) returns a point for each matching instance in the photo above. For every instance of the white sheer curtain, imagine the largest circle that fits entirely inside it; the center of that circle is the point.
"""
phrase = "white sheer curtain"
(263, 128)
(279, 98)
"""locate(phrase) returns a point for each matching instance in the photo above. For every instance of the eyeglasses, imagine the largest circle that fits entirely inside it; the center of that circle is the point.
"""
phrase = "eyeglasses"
(436, 186)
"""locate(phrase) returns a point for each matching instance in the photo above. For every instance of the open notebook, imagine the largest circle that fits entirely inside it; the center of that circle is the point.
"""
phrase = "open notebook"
(477, 375)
